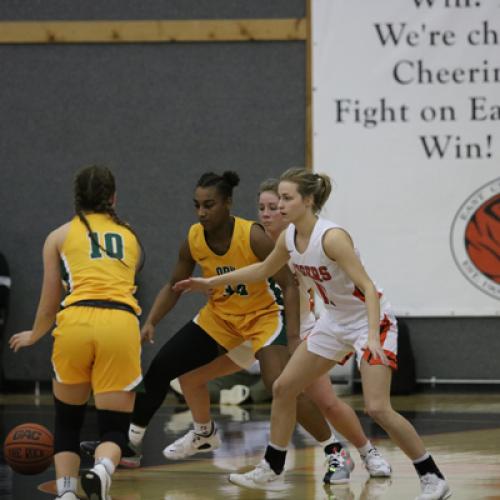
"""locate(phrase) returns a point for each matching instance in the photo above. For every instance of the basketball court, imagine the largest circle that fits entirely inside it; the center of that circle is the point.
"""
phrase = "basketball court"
(396, 101)
(462, 431)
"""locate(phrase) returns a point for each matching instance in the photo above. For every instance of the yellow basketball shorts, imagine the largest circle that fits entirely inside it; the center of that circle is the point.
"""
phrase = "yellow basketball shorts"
(260, 328)
(99, 346)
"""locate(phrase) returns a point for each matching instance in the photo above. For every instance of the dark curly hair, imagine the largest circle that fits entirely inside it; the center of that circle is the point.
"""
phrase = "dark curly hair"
(223, 183)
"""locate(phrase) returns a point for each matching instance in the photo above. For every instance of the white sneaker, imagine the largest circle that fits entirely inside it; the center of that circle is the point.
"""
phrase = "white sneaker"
(96, 482)
(260, 478)
(68, 495)
(433, 488)
(192, 443)
(234, 396)
(376, 464)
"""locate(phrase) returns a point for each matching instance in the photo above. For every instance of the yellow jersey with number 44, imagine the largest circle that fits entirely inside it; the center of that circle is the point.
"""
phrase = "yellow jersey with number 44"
(243, 298)
(104, 271)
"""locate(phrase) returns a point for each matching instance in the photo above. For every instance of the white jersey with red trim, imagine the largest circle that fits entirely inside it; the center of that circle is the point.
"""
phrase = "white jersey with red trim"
(341, 297)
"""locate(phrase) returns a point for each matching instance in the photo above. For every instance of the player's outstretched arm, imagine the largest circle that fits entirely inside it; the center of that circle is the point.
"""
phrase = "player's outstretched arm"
(249, 274)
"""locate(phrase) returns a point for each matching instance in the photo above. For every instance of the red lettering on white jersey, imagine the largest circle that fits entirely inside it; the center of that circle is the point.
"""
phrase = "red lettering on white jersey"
(316, 273)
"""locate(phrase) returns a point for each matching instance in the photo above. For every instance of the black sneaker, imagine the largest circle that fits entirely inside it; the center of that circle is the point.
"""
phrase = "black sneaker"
(87, 448)
(96, 483)
(131, 457)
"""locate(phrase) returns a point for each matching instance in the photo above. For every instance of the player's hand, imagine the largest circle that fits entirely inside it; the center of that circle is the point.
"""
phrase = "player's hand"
(193, 285)
(148, 333)
(21, 339)
(376, 350)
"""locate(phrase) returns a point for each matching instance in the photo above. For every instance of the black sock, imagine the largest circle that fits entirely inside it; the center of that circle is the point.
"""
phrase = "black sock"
(428, 466)
(128, 451)
(275, 458)
(332, 448)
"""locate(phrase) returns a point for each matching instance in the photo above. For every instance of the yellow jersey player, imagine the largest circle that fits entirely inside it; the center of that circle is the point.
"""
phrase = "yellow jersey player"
(97, 338)
(218, 243)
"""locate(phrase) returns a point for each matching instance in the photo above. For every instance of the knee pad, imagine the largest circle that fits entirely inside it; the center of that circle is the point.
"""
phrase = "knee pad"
(113, 426)
(68, 424)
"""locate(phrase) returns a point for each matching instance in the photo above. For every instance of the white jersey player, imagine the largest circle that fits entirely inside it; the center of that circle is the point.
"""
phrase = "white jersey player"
(355, 319)
(343, 326)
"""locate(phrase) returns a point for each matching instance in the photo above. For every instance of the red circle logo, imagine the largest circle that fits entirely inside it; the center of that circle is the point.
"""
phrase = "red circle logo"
(475, 238)
(482, 238)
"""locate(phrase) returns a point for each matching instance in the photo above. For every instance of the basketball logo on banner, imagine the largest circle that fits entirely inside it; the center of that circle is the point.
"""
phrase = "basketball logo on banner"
(475, 238)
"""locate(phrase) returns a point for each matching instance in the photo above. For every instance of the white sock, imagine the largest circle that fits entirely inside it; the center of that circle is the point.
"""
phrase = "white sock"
(136, 434)
(363, 451)
(425, 456)
(276, 447)
(66, 483)
(204, 429)
(107, 464)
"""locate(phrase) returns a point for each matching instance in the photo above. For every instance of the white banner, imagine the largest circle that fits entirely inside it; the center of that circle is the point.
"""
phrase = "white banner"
(406, 121)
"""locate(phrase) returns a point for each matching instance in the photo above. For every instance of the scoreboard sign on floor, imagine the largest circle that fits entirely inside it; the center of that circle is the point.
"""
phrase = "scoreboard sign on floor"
(406, 120)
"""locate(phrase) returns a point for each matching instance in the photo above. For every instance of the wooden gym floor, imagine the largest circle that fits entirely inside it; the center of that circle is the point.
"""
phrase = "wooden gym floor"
(462, 431)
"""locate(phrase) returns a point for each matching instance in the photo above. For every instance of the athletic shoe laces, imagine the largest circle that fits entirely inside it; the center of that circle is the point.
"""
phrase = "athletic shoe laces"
(261, 471)
(335, 460)
(430, 482)
(187, 439)
(199, 437)
(374, 457)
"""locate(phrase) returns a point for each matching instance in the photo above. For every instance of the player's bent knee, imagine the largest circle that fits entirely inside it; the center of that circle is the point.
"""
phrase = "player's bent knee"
(284, 390)
(189, 383)
(113, 427)
(327, 406)
(68, 424)
(379, 413)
